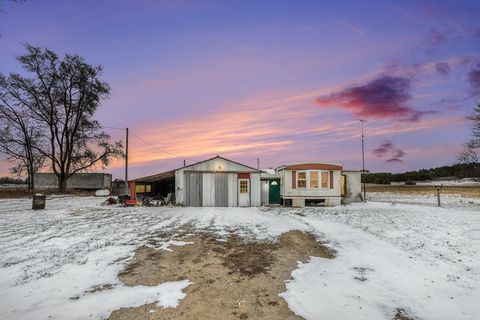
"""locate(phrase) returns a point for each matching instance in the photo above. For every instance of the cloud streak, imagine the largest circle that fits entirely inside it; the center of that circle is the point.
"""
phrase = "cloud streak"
(384, 97)
(388, 149)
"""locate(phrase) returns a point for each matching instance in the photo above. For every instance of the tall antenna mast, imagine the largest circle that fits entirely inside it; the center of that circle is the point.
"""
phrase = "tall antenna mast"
(362, 121)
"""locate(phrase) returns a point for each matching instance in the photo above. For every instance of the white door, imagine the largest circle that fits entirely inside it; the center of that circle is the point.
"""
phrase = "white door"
(243, 192)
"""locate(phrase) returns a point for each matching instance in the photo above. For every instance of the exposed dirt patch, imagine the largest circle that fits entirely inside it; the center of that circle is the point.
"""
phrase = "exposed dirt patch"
(402, 315)
(232, 279)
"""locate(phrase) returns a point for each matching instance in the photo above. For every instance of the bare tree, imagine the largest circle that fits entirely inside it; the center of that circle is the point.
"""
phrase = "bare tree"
(20, 138)
(470, 155)
(62, 96)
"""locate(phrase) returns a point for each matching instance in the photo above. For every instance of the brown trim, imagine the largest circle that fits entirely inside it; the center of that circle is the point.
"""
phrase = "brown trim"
(294, 179)
(314, 166)
(331, 179)
(243, 175)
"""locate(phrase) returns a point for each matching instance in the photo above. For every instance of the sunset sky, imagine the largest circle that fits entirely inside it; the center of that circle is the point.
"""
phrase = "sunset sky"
(284, 81)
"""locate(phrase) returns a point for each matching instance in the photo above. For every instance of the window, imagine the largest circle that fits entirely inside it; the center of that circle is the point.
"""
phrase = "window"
(140, 188)
(324, 180)
(302, 180)
(313, 179)
(243, 186)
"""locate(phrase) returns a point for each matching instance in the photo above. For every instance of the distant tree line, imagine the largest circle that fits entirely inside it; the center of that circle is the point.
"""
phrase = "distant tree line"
(10, 180)
(459, 170)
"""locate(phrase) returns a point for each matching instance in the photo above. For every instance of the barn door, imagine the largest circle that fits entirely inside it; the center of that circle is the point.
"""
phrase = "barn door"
(193, 186)
(221, 190)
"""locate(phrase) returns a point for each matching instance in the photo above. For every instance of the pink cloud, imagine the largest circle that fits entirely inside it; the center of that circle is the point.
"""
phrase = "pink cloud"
(384, 97)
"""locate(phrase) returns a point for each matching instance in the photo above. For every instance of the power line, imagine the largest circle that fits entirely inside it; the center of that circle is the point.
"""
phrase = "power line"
(152, 145)
(160, 149)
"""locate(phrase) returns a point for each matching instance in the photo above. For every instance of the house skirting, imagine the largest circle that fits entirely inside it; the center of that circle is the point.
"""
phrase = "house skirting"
(298, 201)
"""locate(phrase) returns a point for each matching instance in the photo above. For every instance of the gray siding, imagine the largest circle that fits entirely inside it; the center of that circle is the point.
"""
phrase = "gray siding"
(193, 184)
(221, 190)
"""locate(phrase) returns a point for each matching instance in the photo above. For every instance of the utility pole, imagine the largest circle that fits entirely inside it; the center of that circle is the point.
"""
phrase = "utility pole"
(258, 163)
(363, 160)
(126, 158)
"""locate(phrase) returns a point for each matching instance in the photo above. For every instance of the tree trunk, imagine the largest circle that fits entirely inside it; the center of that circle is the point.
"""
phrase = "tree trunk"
(62, 183)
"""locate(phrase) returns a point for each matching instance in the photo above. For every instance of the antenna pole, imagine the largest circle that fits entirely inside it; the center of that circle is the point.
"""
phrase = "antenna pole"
(363, 160)
(126, 158)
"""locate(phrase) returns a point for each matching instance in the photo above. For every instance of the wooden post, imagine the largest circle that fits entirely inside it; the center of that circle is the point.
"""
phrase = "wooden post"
(438, 195)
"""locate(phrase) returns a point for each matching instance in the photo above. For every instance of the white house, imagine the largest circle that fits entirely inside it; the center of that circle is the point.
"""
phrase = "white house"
(217, 182)
(306, 184)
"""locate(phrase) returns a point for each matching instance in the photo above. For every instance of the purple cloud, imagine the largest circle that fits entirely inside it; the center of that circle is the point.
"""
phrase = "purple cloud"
(388, 149)
(474, 80)
(442, 68)
(382, 98)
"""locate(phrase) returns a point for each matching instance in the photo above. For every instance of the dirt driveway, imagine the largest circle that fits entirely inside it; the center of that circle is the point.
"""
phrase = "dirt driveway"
(232, 279)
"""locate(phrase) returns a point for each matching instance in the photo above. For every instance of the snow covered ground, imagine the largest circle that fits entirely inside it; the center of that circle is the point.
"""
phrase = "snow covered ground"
(62, 263)
(446, 200)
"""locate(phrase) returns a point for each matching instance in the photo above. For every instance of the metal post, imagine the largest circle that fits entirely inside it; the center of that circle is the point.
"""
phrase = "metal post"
(363, 161)
(184, 163)
(258, 163)
(126, 158)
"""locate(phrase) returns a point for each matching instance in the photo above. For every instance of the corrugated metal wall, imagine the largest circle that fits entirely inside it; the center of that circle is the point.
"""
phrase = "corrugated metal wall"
(221, 190)
(193, 188)
(208, 185)
(255, 192)
(232, 190)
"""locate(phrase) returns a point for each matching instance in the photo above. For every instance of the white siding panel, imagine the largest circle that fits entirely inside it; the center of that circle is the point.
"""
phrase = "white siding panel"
(255, 190)
(208, 189)
(179, 187)
(232, 190)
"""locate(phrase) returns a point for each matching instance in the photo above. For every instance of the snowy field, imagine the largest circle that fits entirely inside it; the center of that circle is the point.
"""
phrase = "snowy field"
(62, 263)
(446, 200)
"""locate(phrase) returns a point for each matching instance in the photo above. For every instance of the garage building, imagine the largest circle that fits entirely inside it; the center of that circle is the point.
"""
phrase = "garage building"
(217, 182)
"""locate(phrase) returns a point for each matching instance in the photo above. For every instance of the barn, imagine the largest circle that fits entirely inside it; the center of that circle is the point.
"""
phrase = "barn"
(218, 182)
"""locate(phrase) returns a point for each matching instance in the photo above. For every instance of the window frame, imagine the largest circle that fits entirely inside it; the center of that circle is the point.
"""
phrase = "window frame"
(245, 184)
(327, 181)
(305, 179)
(310, 180)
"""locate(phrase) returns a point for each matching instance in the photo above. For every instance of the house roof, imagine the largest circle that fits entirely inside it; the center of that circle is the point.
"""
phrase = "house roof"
(156, 177)
(312, 166)
(219, 157)
(171, 173)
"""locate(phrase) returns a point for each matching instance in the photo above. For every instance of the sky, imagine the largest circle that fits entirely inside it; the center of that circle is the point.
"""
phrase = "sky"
(282, 81)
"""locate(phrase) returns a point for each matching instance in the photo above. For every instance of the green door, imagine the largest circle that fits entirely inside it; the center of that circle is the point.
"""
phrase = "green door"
(274, 192)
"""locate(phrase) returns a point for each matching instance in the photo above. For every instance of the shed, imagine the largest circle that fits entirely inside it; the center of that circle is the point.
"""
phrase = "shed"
(218, 182)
